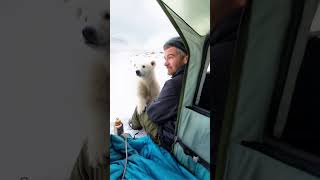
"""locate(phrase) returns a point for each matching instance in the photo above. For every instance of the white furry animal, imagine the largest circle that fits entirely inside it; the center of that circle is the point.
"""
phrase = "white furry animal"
(95, 20)
(148, 86)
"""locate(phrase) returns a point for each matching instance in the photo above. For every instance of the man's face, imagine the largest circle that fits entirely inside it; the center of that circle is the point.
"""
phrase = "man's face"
(173, 60)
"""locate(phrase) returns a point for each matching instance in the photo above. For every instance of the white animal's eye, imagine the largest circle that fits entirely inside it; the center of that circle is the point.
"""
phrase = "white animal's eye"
(143, 66)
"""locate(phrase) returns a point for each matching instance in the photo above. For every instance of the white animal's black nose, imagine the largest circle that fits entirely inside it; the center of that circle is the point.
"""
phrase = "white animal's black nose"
(90, 35)
(138, 73)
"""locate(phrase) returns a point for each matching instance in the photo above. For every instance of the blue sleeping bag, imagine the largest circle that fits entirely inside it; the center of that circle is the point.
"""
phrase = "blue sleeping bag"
(146, 160)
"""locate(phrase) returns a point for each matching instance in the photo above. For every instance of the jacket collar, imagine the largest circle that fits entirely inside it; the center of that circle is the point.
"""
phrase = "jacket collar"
(180, 70)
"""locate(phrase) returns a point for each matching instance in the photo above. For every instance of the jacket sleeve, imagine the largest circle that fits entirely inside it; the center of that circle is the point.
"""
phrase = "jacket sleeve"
(165, 107)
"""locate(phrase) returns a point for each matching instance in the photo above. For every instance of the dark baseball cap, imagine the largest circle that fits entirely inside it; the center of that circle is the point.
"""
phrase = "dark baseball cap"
(176, 42)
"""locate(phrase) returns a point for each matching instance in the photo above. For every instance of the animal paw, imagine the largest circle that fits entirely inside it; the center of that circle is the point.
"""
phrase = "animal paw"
(141, 109)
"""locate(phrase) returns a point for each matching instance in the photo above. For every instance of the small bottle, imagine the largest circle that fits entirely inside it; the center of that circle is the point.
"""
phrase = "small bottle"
(118, 127)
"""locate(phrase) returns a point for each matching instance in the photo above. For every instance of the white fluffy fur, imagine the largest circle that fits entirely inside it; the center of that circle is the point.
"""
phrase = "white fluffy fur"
(147, 86)
(91, 13)
(98, 126)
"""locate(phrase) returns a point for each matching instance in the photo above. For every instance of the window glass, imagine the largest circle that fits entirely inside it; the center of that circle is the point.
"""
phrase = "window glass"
(302, 126)
(203, 97)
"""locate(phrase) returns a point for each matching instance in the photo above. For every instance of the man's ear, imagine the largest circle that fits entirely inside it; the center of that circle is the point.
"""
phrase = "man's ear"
(153, 63)
(185, 59)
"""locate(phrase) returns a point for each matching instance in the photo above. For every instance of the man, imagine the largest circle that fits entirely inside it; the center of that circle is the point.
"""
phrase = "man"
(160, 117)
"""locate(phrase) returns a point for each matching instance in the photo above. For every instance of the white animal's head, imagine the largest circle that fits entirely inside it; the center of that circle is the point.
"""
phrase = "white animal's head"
(145, 69)
(95, 19)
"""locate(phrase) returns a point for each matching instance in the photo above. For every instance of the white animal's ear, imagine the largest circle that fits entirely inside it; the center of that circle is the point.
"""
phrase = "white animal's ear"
(153, 63)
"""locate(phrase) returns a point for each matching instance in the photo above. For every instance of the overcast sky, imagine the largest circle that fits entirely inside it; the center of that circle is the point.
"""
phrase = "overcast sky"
(139, 24)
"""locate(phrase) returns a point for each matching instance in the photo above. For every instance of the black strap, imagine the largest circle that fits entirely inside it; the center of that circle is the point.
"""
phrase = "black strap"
(191, 153)
(287, 154)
